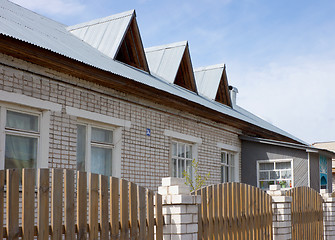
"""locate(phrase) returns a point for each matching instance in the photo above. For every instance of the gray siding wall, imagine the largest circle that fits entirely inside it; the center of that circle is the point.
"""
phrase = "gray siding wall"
(253, 152)
(315, 173)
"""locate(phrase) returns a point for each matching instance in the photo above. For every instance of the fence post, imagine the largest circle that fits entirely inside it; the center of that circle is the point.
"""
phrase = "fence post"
(328, 214)
(180, 210)
(281, 207)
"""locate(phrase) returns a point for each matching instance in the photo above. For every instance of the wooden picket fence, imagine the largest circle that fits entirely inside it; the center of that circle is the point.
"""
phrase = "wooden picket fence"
(306, 213)
(66, 208)
(234, 211)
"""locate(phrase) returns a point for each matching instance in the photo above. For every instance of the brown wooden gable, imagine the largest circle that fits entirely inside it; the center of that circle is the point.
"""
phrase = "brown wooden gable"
(223, 95)
(131, 49)
(185, 77)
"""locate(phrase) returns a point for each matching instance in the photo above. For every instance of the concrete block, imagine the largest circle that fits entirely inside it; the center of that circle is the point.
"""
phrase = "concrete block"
(179, 190)
(172, 181)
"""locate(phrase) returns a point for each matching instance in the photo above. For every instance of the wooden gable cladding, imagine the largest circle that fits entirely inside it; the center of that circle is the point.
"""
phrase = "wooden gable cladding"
(223, 95)
(131, 50)
(185, 77)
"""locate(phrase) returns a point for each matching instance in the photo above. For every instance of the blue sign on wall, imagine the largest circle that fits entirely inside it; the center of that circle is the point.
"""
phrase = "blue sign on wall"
(148, 132)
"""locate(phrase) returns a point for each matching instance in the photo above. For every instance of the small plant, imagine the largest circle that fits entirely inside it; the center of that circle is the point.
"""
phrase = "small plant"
(199, 180)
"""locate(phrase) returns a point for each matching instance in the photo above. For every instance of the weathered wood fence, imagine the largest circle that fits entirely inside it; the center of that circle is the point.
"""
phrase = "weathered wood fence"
(306, 213)
(234, 211)
(108, 208)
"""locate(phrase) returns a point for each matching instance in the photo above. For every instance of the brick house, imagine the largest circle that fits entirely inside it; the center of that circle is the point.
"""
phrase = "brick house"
(90, 97)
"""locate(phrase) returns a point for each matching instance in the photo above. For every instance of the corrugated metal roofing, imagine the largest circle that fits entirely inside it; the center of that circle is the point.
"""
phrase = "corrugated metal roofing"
(105, 34)
(27, 26)
(164, 61)
(208, 79)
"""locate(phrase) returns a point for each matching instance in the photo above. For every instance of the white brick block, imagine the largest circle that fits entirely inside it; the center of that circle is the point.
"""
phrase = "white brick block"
(182, 237)
(185, 199)
(192, 228)
(181, 218)
(163, 190)
(179, 190)
(172, 181)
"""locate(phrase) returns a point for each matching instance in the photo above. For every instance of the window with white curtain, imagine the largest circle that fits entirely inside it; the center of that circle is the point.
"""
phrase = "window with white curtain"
(182, 157)
(94, 149)
(22, 133)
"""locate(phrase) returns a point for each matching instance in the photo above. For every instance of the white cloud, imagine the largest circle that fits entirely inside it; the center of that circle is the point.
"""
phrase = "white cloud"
(297, 97)
(60, 7)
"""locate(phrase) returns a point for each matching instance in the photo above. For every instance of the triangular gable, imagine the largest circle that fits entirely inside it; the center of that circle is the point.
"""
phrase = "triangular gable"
(212, 82)
(172, 62)
(116, 36)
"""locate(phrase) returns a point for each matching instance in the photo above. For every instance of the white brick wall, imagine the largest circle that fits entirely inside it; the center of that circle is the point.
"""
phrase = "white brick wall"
(145, 160)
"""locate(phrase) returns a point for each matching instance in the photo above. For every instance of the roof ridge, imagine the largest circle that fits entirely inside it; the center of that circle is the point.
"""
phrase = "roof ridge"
(166, 46)
(211, 67)
(101, 20)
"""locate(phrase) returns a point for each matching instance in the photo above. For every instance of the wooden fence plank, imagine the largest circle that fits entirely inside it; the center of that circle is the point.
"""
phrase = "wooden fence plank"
(124, 233)
(43, 204)
(225, 210)
(81, 205)
(215, 212)
(114, 207)
(133, 211)
(159, 217)
(69, 210)
(28, 204)
(12, 203)
(210, 212)
(56, 203)
(104, 224)
(142, 212)
(2, 197)
(220, 212)
(150, 216)
(93, 206)
(200, 227)
(204, 213)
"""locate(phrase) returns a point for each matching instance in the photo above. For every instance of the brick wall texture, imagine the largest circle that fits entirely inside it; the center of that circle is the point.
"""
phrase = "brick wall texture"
(145, 159)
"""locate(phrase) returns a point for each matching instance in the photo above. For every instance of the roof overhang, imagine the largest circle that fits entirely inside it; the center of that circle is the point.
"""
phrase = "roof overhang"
(46, 58)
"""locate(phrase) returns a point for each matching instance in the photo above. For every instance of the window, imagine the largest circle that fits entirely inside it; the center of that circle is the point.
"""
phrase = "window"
(228, 167)
(95, 149)
(274, 172)
(182, 157)
(21, 139)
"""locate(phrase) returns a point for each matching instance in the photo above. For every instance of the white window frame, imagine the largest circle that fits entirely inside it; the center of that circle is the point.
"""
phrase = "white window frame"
(115, 146)
(107, 122)
(42, 136)
(231, 150)
(183, 138)
(275, 161)
(229, 155)
(181, 158)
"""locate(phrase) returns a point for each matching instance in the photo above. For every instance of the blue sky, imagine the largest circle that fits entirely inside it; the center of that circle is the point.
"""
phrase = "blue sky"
(279, 54)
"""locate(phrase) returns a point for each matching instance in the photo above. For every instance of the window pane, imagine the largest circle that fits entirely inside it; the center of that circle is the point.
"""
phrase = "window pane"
(101, 161)
(21, 152)
(188, 151)
(102, 135)
(264, 184)
(181, 150)
(81, 147)
(264, 175)
(283, 165)
(224, 174)
(231, 174)
(174, 149)
(231, 160)
(22, 121)
(286, 174)
(174, 167)
(266, 166)
(189, 168)
(181, 168)
(274, 174)
(224, 158)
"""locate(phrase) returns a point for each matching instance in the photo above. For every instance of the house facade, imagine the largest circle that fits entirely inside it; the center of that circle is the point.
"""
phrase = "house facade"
(72, 97)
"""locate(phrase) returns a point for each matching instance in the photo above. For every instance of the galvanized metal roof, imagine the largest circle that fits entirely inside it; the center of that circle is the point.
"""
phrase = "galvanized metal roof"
(105, 34)
(164, 60)
(208, 79)
(27, 26)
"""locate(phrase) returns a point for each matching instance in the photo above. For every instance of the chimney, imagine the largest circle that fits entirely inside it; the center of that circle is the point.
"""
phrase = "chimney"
(233, 92)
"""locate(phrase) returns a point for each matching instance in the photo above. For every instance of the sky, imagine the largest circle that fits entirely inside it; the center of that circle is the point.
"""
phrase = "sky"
(279, 54)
